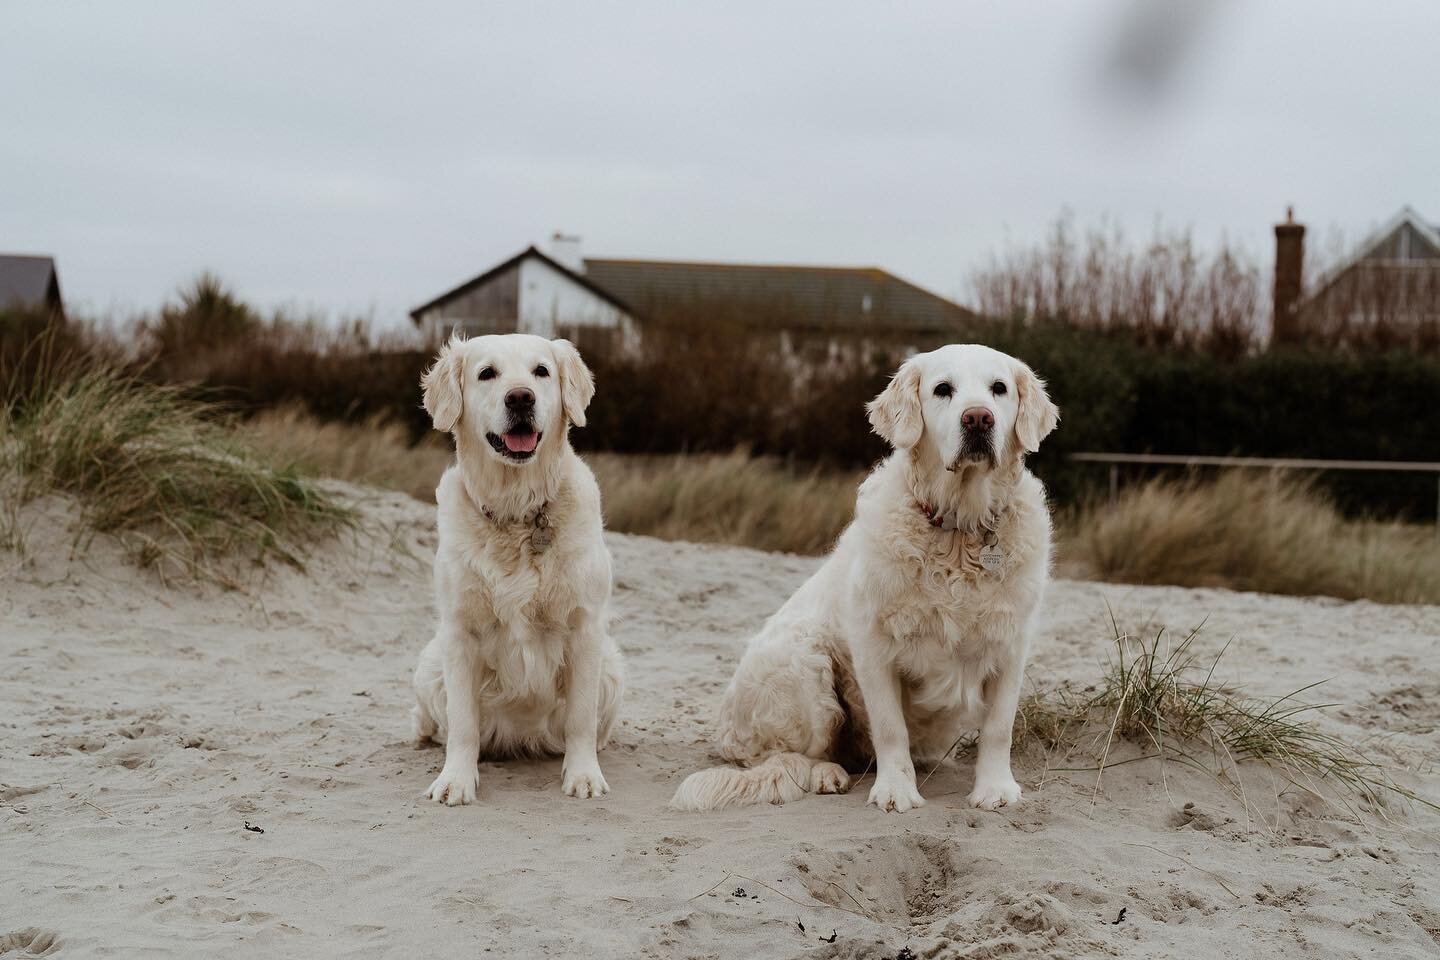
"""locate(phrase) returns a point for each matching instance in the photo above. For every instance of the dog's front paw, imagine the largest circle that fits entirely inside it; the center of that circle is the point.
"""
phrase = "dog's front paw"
(994, 794)
(895, 793)
(455, 786)
(584, 781)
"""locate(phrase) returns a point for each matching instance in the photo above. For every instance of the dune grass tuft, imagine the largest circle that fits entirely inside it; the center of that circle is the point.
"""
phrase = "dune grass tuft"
(1164, 698)
(1267, 531)
(154, 469)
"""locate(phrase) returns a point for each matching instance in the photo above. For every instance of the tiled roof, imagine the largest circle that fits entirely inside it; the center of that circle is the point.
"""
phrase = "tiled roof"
(813, 297)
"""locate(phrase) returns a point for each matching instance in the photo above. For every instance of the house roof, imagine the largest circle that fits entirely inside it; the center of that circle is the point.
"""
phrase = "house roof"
(27, 281)
(1429, 233)
(807, 296)
(820, 297)
(1367, 248)
(500, 268)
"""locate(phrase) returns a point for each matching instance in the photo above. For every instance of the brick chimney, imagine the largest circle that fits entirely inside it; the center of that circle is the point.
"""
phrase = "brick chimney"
(1289, 277)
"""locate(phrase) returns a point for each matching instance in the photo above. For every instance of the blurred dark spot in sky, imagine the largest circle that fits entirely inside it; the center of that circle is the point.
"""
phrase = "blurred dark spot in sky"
(1153, 43)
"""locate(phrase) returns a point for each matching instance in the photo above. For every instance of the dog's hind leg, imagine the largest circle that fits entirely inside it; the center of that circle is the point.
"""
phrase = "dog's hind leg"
(779, 718)
(781, 700)
(827, 777)
(427, 717)
(612, 689)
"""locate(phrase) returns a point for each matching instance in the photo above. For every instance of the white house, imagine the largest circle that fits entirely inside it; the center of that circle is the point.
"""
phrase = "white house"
(1390, 284)
(532, 292)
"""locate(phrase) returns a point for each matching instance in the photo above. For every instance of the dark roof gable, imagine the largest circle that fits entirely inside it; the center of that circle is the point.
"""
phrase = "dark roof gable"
(500, 268)
(28, 282)
(1377, 251)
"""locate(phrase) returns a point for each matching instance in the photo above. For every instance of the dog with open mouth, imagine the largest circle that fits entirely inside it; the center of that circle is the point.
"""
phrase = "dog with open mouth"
(916, 629)
(522, 662)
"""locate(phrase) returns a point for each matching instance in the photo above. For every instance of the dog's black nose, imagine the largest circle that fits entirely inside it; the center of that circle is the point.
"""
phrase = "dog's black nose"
(521, 398)
(977, 418)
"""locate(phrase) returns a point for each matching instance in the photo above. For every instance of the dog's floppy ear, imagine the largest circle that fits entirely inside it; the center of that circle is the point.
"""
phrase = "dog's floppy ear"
(444, 388)
(1038, 415)
(577, 383)
(895, 414)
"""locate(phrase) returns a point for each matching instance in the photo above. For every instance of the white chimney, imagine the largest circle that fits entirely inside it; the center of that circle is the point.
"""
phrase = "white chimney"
(565, 250)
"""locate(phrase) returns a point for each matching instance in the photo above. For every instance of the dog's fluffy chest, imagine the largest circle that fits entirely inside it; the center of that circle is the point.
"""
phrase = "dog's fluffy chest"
(944, 656)
(949, 624)
(932, 637)
(513, 604)
(511, 581)
(943, 604)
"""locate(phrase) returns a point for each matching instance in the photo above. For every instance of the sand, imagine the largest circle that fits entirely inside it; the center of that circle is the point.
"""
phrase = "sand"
(151, 733)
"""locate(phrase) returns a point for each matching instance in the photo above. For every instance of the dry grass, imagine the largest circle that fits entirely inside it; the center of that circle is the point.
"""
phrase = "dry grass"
(1249, 530)
(709, 498)
(377, 452)
(154, 470)
(1267, 532)
(725, 498)
(1164, 699)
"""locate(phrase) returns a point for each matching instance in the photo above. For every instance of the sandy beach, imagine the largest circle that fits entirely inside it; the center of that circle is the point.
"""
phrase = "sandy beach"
(190, 772)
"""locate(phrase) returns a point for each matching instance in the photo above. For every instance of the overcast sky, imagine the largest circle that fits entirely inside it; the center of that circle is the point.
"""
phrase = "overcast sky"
(360, 158)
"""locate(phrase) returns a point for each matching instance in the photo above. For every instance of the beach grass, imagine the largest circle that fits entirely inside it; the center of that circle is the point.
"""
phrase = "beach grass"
(160, 472)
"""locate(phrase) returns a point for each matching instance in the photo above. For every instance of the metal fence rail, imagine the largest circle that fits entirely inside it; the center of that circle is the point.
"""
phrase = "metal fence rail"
(1273, 463)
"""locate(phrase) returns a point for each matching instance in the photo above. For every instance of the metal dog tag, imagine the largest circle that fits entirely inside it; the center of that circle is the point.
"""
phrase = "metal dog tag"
(543, 536)
(992, 558)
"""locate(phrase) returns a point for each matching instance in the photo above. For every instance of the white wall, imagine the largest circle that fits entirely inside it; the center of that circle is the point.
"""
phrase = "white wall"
(549, 297)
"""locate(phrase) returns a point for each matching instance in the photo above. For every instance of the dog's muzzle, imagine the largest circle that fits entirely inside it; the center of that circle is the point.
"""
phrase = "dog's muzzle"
(520, 439)
(977, 437)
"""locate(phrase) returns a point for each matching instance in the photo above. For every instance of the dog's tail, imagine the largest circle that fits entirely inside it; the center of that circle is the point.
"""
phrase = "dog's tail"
(781, 778)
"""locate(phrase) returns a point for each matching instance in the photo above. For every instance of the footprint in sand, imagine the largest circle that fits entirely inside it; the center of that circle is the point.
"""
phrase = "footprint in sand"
(30, 942)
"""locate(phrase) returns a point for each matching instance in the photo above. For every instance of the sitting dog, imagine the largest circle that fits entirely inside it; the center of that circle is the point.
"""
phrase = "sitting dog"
(522, 662)
(916, 628)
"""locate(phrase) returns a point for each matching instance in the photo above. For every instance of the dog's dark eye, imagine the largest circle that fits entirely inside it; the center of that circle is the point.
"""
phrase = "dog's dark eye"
(943, 389)
(998, 388)
(542, 371)
(488, 373)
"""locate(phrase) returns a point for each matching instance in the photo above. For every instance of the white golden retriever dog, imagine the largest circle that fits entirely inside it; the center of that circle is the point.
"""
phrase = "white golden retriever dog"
(522, 662)
(916, 628)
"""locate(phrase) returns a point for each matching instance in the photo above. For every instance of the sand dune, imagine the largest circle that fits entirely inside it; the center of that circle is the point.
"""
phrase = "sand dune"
(188, 772)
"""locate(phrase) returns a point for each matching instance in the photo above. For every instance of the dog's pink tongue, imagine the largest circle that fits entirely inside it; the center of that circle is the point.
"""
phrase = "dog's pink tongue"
(521, 442)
